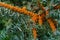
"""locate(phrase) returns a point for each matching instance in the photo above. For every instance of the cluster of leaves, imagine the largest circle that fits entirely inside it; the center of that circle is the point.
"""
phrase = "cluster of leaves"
(15, 26)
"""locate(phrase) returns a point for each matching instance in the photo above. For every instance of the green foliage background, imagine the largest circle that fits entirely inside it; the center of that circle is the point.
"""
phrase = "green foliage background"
(16, 26)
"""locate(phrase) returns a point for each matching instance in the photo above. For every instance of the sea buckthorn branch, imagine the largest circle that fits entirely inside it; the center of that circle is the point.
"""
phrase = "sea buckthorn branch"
(34, 31)
(17, 9)
(52, 24)
(35, 17)
(42, 18)
(20, 10)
